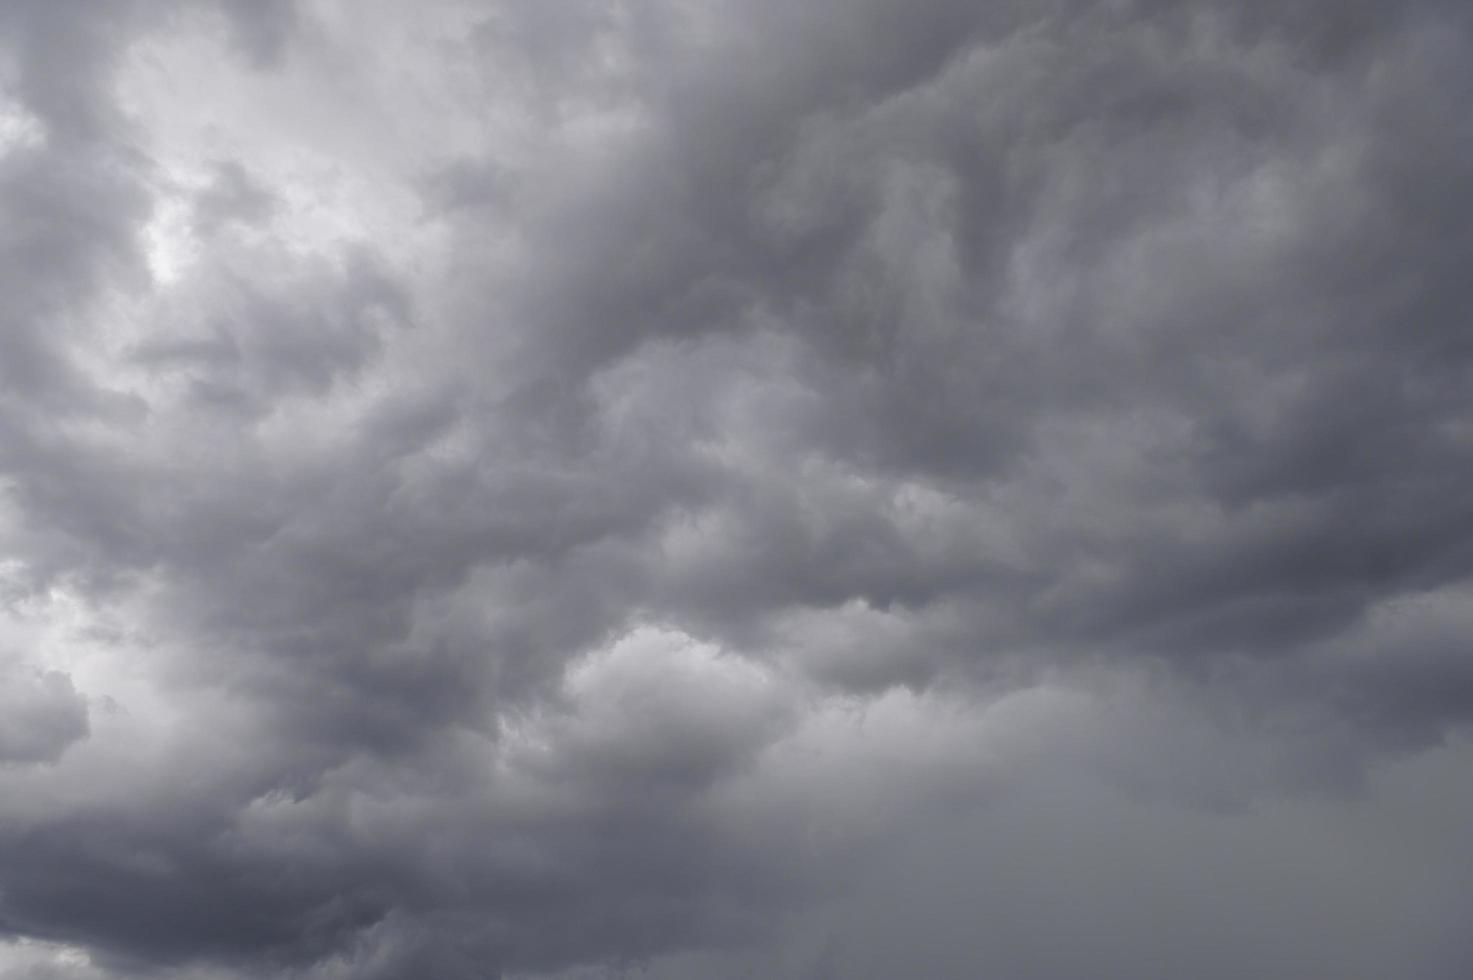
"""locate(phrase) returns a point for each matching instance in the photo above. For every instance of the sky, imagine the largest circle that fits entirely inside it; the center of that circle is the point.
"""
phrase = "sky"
(715, 489)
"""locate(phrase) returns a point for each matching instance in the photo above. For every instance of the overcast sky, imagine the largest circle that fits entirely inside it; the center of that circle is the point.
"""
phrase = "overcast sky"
(714, 489)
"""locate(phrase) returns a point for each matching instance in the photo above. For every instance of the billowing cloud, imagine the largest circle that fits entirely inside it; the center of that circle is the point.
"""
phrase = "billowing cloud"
(717, 489)
(42, 715)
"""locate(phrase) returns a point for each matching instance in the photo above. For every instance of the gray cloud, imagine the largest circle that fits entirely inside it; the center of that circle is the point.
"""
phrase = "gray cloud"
(42, 715)
(508, 490)
(261, 30)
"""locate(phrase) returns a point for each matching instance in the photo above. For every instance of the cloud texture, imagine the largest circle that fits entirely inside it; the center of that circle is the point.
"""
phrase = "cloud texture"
(698, 488)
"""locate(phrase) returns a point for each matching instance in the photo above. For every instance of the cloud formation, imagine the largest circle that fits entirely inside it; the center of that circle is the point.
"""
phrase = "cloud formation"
(716, 489)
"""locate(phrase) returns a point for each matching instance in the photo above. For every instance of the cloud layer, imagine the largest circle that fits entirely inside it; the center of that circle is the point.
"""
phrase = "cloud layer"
(718, 489)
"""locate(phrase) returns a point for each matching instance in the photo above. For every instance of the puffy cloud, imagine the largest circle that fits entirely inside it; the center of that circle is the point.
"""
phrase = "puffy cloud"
(835, 489)
(41, 714)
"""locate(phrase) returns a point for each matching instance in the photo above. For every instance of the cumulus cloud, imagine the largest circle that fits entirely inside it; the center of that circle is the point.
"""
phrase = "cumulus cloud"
(836, 489)
(40, 715)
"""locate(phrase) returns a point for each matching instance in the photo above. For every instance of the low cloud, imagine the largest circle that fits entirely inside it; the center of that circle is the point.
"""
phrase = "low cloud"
(846, 489)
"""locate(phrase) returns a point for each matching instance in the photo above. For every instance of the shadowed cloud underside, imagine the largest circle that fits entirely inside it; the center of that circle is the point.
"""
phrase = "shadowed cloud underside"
(699, 488)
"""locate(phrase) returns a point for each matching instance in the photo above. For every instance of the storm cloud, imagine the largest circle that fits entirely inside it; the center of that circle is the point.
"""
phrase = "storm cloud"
(716, 488)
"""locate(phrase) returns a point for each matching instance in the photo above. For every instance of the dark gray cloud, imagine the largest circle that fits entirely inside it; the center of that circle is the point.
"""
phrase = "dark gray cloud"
(531, 489)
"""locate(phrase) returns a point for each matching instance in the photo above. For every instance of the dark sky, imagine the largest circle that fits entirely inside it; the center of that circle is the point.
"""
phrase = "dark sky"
(691, 489)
